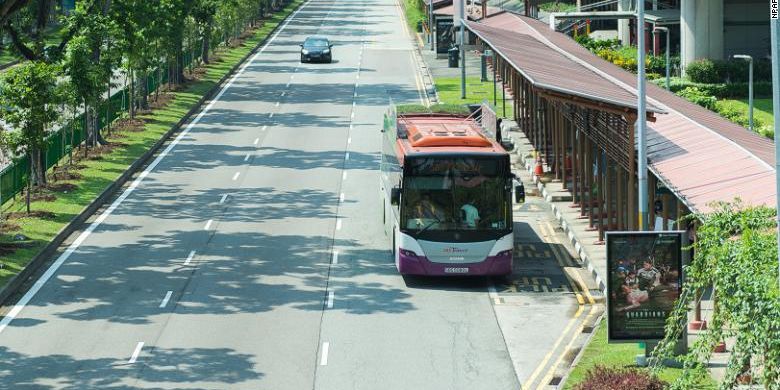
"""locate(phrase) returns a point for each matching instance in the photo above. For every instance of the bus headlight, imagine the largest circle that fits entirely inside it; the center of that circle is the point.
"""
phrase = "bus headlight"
(407, 253)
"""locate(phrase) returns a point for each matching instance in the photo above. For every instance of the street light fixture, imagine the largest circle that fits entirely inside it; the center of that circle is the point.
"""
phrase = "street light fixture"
(750, 86)
(668, 63)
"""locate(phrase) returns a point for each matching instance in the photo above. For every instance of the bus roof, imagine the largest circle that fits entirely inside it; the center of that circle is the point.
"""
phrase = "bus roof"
(444, 133)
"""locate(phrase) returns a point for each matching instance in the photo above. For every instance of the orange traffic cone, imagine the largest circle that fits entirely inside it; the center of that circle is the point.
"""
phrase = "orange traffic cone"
(538, 170)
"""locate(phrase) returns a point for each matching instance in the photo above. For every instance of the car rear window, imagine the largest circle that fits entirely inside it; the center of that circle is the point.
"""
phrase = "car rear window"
(316, 42)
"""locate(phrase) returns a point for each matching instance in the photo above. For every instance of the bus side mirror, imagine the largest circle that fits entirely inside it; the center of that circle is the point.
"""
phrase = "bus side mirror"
(520, 193)
(395, 196)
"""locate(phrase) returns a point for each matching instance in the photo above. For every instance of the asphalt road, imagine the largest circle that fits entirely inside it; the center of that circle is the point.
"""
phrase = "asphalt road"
(251, 253)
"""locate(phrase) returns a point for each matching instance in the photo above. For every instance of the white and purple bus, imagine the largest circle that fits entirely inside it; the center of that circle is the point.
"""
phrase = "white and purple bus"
(447, 195)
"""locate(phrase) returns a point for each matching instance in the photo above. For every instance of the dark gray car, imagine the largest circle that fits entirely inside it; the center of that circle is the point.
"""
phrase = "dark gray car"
(316, 48)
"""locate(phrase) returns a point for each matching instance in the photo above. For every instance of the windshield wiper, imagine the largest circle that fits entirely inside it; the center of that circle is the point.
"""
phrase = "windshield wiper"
(428, 226)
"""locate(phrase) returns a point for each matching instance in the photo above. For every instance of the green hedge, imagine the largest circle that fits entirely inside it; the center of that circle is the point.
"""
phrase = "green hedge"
(460, 109)
(732, 70)
(719, 90)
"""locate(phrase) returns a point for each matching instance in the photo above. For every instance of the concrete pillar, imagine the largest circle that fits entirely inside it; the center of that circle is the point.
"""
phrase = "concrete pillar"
(701, 30)
(624, 32)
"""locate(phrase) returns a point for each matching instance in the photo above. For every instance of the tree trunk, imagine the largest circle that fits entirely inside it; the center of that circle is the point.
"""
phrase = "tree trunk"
(206, 43)
(132, 94)
(29, 183)
(41, 167)
(108, 108)
(144, 90)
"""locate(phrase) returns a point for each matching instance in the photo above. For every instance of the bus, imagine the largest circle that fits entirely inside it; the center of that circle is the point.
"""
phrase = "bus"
(446, 190)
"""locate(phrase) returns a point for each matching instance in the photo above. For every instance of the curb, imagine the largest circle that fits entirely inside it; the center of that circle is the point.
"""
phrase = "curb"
(9, 65)
(45, 256)
(573, 239)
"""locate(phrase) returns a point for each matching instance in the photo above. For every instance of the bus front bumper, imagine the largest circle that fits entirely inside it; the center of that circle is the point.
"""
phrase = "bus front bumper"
(501, 264)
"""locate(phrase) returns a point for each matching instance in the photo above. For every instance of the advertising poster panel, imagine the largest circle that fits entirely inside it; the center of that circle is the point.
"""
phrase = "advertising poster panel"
(644, 279)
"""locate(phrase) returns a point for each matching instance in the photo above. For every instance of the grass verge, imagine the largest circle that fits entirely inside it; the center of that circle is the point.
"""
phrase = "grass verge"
(94, 174)
(414, 13)
(476, 92)
(762, 109)
(599, 352)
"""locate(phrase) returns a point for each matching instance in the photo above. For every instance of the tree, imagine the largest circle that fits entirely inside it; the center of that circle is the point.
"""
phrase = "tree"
(36, 15)
(736, 255)
(90, 59)
(203, 11)
(29, 104)
(139, 41)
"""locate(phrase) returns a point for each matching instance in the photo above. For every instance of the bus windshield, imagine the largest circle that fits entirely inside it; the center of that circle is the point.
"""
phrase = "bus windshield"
(455, 194)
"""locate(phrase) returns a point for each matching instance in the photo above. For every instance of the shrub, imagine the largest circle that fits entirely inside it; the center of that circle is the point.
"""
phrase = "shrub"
(720, 90)
(703, 71)
(695, 95)
(598, 44)
(729, 71)
(602, 378)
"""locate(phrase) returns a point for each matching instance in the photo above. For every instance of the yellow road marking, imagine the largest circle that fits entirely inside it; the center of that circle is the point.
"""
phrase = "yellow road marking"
(544, 383)
(540, 367)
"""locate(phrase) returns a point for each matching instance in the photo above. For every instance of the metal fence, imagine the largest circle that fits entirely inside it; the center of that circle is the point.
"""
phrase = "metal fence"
(13, 178)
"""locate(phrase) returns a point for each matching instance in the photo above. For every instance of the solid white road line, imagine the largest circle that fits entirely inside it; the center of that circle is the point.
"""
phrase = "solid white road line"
(166, 299)
(338, 224)
(136, 352)
(30, 294)
(208, 224)
(335, 259)
(224, 198)
(257, 141)
(324, 359)
(189, 258)
(235, 177)
(330, 299)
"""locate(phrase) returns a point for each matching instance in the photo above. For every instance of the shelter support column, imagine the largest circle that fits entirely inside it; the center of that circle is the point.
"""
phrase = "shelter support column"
(602, 194)
(633, 211)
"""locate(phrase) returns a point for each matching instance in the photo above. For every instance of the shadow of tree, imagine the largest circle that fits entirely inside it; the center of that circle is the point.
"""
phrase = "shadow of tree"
(175, 365)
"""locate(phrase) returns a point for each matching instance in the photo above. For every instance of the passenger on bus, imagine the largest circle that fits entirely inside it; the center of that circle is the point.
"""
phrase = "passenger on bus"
(469, 214)
(427, 209)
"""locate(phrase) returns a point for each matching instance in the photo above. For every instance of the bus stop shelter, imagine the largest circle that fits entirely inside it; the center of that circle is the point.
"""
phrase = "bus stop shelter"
(579, 112)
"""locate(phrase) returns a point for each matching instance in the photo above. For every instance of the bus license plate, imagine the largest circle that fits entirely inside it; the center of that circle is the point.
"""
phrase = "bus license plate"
(456, 270)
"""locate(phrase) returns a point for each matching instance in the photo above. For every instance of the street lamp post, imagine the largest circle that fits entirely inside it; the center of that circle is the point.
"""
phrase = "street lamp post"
(668, 63)
(430, 23)
(775, 37)
(641, 118)
(462, 17)
(750, 87)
